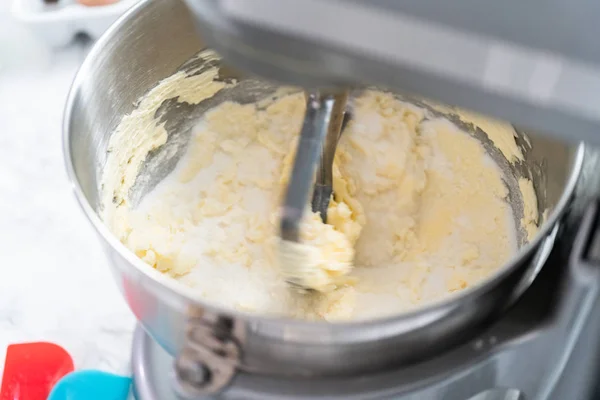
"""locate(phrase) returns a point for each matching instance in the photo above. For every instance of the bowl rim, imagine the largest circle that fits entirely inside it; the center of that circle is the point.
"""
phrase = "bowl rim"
(167, 286)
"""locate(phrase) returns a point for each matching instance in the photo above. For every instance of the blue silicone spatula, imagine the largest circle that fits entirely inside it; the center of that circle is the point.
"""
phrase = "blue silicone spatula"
(91, 385)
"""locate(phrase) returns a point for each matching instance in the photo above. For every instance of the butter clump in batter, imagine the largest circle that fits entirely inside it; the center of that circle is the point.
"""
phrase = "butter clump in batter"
(419, 211)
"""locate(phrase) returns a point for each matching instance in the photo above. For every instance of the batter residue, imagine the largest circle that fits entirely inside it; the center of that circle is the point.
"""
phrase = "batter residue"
(419, 209)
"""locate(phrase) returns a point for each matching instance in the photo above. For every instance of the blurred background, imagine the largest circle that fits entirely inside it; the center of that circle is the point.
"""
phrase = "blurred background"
(54, 284)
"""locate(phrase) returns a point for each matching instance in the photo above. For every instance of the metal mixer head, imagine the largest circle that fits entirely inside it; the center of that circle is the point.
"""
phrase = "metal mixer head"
(510, 61)
(265, 51)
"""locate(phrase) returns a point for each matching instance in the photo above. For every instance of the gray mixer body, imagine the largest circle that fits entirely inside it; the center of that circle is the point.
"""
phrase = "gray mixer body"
(534, 63)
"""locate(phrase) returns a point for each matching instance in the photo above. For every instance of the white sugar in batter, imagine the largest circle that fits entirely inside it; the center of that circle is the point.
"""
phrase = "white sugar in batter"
(420, 207)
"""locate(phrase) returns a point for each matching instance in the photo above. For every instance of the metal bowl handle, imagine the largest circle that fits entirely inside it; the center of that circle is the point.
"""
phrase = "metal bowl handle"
(210, 356)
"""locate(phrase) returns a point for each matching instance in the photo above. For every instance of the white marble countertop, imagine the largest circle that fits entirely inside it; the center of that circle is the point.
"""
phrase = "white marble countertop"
(55, 282)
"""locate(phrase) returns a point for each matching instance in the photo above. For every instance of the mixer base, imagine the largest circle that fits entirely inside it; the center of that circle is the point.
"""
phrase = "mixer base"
(544, 348)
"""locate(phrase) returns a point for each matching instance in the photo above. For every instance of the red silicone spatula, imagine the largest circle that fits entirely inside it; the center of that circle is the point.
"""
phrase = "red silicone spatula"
(32, 369)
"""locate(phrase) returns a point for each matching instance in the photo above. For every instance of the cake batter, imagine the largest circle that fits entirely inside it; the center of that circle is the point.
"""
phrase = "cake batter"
(419, 211)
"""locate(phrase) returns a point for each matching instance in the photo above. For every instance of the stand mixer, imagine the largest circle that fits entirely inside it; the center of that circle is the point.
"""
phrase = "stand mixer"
(542, 347)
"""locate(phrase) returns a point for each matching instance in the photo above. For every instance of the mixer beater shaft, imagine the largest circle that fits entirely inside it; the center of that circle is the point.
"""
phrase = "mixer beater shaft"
(320, 132)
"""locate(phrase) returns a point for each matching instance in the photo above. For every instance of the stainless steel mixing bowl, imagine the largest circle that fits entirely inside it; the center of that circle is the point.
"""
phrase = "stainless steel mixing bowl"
(151, 42)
